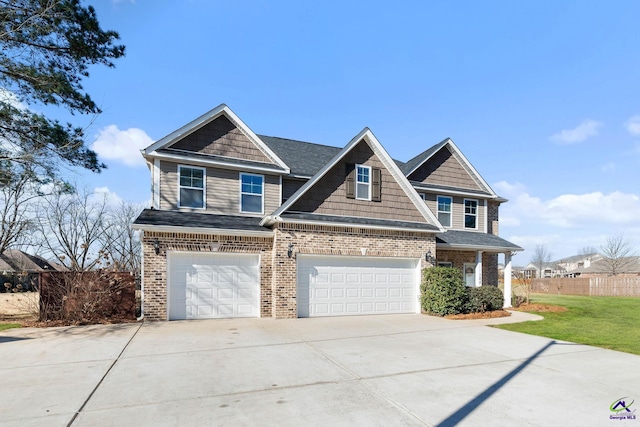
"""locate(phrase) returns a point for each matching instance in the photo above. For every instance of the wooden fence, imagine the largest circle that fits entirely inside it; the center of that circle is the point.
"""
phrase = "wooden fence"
(595, 286)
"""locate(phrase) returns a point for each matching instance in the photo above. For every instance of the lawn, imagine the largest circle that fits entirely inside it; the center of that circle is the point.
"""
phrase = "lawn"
(607, 322)
(4, 326)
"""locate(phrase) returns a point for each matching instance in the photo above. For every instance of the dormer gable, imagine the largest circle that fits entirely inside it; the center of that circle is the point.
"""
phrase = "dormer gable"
(216, 135)
(385, 193)
(445, 165)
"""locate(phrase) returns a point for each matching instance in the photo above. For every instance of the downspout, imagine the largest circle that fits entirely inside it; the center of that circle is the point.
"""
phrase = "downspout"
(141, 276)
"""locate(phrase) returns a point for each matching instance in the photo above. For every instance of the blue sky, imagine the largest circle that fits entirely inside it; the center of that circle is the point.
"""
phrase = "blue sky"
(543, 97)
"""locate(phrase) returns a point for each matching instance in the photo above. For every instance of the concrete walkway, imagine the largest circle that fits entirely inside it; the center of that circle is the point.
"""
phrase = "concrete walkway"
(354, 371)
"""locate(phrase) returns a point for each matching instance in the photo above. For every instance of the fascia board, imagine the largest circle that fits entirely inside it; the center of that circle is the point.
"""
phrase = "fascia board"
(478, 248)
(441, 143)
(470, 166)
(200, 230)
(207, 118)
(322, 172)
(351, 225)
(214, 163)
(401, 179)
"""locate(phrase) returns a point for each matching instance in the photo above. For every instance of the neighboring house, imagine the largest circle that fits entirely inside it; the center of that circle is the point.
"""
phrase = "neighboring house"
(20, 268)
(573, 264)
(549, 269)
(246, 225)
(626, 266)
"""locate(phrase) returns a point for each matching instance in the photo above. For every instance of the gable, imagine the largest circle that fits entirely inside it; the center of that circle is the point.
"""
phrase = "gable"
(445, 168)
(221, 137)
(328, 196)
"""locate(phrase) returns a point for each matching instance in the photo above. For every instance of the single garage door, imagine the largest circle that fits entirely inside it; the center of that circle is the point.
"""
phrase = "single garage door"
(209, 286)
(339, 286)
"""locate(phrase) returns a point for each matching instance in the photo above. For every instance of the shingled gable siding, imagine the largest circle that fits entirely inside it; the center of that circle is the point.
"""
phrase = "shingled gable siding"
(457, 210)
(458, 258)
(221, 138)
(445, 169)
(324, 240)
(328, 195)
(155, 266)
(223, 190)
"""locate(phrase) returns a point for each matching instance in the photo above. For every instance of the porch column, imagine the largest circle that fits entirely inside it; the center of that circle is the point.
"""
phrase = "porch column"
(507, 280)
(478, 269)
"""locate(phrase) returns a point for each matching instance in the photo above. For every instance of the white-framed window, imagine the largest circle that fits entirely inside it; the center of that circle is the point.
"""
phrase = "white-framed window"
(251, 193)
(423, 196)
(445, 264)
(470, 213)
(363, 182)
(444, 210)
(191, 187)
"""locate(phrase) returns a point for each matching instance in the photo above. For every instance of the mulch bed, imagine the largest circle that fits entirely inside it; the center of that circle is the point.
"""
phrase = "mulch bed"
(473, 316)
(540, 308)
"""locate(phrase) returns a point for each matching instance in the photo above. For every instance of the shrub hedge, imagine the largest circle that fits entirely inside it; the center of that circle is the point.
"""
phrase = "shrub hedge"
(443, 292)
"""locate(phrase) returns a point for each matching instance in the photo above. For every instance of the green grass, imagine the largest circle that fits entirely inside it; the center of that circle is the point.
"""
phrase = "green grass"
(607, 322)
(4, 326)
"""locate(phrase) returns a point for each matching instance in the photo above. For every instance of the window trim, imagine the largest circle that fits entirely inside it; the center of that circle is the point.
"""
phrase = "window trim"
(369, 184)
(464, 218)
(251, 194)
(203, 189)
(450, 212)
(445, 264)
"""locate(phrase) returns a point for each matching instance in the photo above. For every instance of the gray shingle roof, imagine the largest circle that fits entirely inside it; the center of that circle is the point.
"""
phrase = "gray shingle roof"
(198, 220)
(358, 221)
(471, 239)
(304, 158)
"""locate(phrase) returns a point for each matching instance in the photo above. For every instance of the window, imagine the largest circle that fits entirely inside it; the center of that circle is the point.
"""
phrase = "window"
(251, 193)
(444, 211)
(445, 264)
(363, 182)
(191, 194)
(423, 196)
(470, 213)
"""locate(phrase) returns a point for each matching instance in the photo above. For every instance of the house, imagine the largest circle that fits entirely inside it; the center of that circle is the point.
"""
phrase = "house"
(602, 267)
(549, 269)
(574, 264)
(247, 225)
(20, 268)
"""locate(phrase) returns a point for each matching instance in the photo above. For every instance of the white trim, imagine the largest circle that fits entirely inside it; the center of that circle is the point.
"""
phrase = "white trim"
(368, 168)
(464, 214)
(386, 160)
(201, 230)
(507, 279)
(486, 218)
(450, 212)
(270, 220)
(280, 191)
(261, 195)
(204, 186)
(433, 190)
(493, 249)
(214, 163)
(207, 118)
(155, 184)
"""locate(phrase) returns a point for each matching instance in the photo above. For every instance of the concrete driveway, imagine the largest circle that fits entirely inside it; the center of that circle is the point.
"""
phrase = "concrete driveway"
(356, 371)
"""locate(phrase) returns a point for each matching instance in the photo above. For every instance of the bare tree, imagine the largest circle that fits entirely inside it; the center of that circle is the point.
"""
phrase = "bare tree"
(587, 250)
(541, 257)
(71, 229)
(120, 240)
(617, 254)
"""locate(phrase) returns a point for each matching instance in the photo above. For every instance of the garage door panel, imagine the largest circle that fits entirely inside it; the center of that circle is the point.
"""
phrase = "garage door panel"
(334, 286)
(205, 285)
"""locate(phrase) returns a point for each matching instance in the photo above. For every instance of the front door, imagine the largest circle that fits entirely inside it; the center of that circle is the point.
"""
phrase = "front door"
(470, 275)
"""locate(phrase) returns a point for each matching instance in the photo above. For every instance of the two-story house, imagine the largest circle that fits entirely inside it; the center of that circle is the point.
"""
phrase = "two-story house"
(246, 225)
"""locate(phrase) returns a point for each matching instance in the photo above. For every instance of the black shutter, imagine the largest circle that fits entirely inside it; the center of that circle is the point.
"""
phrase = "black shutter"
(376, 184)
(351, 181)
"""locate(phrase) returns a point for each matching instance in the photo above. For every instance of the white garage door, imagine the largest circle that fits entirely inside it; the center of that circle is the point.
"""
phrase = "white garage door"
(208, 286)
(339, 286)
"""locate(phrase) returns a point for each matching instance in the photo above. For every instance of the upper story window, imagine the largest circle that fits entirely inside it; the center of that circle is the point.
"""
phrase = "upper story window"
(470, 213)
(191, 187)
(423, 196)
(444, 210)
(363, 182)
(251, 193)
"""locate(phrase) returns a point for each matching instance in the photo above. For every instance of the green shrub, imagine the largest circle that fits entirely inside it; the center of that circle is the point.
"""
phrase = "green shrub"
(442, 291)
(484, 298)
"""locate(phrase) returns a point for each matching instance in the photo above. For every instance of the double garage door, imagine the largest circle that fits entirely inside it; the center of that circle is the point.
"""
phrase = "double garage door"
(209, 286)
(339, 286)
